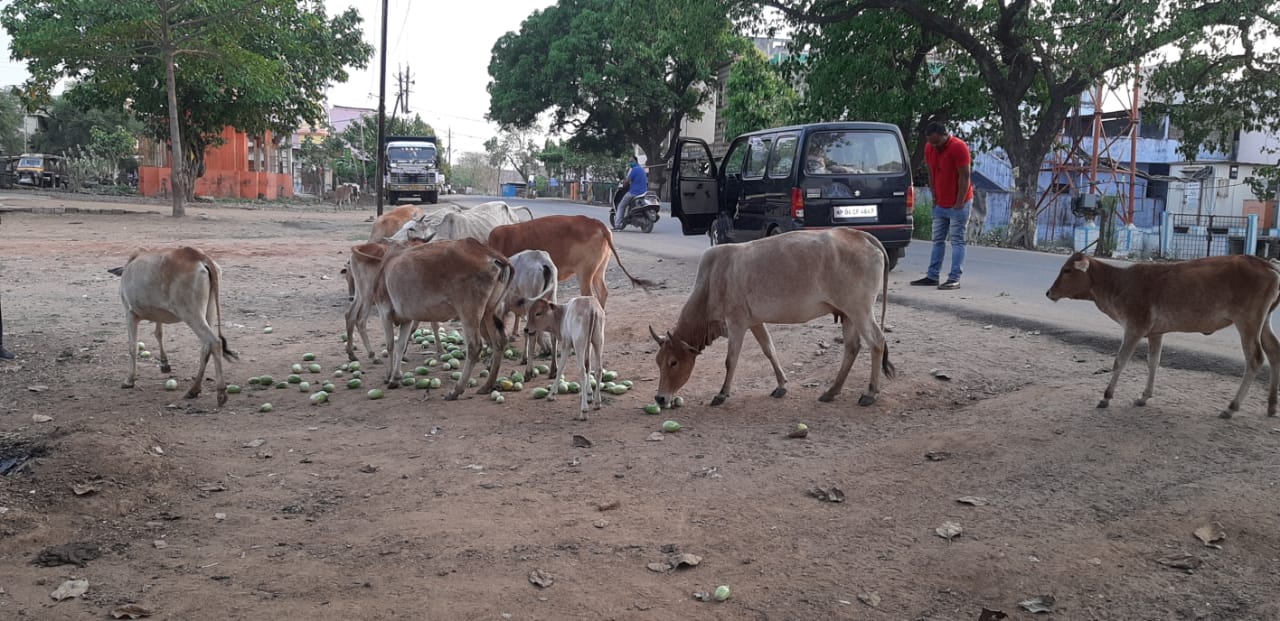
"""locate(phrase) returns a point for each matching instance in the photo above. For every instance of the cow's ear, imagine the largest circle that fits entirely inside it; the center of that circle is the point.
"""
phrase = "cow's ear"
(660, 340)
(1081, 264)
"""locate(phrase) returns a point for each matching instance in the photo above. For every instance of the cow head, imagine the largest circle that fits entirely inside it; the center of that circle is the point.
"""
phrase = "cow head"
(675, 365)
(416, 228)
(1073, 280)
(540, 315)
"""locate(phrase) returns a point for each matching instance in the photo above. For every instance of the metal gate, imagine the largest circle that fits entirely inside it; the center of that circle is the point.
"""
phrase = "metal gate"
(1196, 236)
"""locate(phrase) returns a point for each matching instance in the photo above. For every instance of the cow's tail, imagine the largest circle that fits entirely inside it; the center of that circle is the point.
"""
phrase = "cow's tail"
(494, 304)
(885, 365)
(644, 284)
(548, 282)
(526, 210)
(214, 274)
(379, 290)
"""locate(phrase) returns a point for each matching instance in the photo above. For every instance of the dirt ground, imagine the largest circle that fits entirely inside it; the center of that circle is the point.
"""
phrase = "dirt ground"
(414, 508)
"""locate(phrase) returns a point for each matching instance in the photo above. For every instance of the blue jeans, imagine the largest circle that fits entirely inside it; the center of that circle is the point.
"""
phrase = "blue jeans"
(949, 223)
(620, 212)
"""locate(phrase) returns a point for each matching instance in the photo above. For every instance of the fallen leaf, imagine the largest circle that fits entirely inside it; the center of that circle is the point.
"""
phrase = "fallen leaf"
(601, 523)
(1044, 603)
(581, 441)
(1211, 534)
(70, 589)
(254, 443)
(160, 544)
(541, 578)
(1181, 561)
(829, 495)
(368, 468)
(686, 560)
(949, 530)
(871, 599)
(219, 516)
(213, 487)
(654, 437)
(38, 388)
(130, 611)
(936, 455)
(84, 489)
(658, 567)
(940, 374)
(609, 506)
(41, 418)
(702, 596)
(977, 501)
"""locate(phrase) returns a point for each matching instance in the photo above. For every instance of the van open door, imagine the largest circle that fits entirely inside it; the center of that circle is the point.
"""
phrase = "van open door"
(696, 199)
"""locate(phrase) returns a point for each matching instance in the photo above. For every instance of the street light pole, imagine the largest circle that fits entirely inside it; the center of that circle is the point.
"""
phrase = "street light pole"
(382, 110)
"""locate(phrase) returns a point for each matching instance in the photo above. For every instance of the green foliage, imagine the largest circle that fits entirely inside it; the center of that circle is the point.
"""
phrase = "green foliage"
(922, 219)
(256, 65)
(71, 122)
(758, 95)
(11, 113)
(358, 163)
(1264, 182)
(618, 72)
(317, 157)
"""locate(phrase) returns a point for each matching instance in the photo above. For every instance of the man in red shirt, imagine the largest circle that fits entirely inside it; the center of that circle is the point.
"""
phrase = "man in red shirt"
(949, 162)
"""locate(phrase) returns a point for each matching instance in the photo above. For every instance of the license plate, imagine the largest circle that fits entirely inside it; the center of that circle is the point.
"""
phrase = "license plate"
(855, 211)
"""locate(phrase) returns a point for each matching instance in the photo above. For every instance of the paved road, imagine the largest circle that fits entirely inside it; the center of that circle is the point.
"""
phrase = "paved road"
(1000, 286)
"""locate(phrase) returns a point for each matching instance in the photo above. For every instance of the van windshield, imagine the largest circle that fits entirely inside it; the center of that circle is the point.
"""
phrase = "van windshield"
(854, 153)
(31, 162)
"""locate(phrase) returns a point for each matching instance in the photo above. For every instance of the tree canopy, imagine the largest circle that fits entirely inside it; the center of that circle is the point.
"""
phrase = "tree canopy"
(758, 95)
(11, 119)
(189, 69)
(620, 72)
(1035, 58)
(70, 123)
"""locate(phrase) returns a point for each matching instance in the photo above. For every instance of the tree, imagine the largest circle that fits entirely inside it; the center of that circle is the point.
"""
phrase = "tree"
(256, 65)
(919, 76)
(318, 157)
(361, 136)
(1035, 58)
(71, 121)
(758, 95)
(11, 118)
(473, 170)
(515, 148)
(619, 72)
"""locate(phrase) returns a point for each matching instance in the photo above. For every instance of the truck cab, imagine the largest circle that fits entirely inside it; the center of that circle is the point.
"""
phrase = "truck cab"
(412, 169)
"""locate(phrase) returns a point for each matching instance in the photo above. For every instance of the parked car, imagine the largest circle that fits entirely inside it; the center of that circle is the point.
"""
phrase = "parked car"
(42, 171)
(783, 179)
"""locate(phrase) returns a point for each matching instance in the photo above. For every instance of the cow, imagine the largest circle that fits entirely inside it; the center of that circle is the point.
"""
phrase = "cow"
(789, 278)
(1201, 295)
(384, 227)
(578, 245)
(178, 285)
(475, 222)
(440, 281)
(362, 273)
(342, 195)
(578, 323)
(535, 278)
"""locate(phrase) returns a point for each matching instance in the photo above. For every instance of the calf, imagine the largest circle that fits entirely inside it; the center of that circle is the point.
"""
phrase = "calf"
(362, 274)
(1202, 295)
(580, 322)
(342, 195)
(168, 287)
(535, 279)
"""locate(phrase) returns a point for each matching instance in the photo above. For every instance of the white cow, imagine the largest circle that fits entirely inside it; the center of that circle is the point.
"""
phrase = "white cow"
(580, 322)
(535, 278)
(474, 222)
(168, 287)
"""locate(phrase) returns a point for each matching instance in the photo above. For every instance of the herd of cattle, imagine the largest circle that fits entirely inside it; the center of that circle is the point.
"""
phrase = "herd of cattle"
(478, 265)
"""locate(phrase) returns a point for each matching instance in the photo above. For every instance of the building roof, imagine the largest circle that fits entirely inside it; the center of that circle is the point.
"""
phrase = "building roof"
(510, 176)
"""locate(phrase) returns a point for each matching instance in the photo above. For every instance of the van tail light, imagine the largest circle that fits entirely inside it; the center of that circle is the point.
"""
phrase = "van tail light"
(911, 199)
(797, 203)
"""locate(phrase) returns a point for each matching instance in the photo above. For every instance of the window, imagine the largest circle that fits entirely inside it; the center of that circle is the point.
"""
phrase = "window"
(757, 156)
(693, 161)
(784, 155)
(854, 153)
(733, 161)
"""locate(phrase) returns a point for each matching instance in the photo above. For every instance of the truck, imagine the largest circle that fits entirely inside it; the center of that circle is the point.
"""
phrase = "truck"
(412, 169)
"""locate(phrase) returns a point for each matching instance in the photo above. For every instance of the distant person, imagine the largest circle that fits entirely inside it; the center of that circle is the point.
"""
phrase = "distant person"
(637, 184)
(949, 162)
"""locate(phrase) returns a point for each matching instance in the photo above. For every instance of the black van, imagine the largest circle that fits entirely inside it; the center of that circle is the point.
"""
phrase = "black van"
(790, 178)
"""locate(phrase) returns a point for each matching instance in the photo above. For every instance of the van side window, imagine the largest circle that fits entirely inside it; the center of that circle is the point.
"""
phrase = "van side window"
(784, 155)
(733, 161)
(693, 161)
(757, 157)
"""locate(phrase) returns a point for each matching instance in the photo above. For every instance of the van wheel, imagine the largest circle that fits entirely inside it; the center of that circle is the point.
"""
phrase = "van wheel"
(773, 230)
(893, 260)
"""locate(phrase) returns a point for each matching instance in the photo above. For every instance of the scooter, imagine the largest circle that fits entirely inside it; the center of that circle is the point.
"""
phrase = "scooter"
(642, 213)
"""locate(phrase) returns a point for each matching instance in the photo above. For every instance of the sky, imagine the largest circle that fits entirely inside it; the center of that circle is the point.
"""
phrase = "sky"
(444, 45)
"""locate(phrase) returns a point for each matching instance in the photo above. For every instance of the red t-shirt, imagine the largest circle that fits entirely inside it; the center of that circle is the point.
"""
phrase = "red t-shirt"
(944, 166)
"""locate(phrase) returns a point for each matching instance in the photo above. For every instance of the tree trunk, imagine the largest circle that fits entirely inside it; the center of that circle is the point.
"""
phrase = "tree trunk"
(657, 167)
(176, 176)
(1026, 194)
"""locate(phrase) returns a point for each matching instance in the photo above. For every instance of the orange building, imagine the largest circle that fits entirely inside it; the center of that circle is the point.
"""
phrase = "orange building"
(231, 169)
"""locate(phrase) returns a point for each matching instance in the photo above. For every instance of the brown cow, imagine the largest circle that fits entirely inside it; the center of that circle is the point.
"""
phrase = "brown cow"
(1202, 295)
(362, 274)
(438, 282)
(577, 244)
(168, 287)
(789, 278)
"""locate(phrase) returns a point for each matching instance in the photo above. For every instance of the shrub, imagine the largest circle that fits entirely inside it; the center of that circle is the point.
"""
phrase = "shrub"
(922, 218)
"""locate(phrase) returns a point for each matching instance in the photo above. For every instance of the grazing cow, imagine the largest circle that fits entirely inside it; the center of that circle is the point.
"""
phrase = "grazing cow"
(440, 281)
(384, 227)
(577, 244)
(362, 273)
(172, 286)
(535, 279)
(1202, 295)
(788, 278)
(474, 222)
(578, 323)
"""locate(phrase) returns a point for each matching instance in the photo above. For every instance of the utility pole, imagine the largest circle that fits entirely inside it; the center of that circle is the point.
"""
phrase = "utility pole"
(382, 110)
(450, 147)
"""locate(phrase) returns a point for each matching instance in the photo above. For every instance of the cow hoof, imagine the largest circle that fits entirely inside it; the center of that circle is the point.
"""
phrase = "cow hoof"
(126, 385)
(778, 393)
(192, 394)
(165, 368)
(451, 396)
(222, 398)
(866, 400)
(1140, 402)
(1225, 414)
(826, 397)
(1102, 405)
(718, 399)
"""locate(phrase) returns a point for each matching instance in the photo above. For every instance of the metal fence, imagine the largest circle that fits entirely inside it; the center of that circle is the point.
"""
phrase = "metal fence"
(1194, 235)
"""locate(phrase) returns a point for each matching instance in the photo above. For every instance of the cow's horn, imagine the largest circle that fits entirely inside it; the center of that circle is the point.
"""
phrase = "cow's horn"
(655, 336)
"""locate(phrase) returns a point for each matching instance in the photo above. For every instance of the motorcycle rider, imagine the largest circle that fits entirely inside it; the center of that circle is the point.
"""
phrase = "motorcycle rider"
(636, 185)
